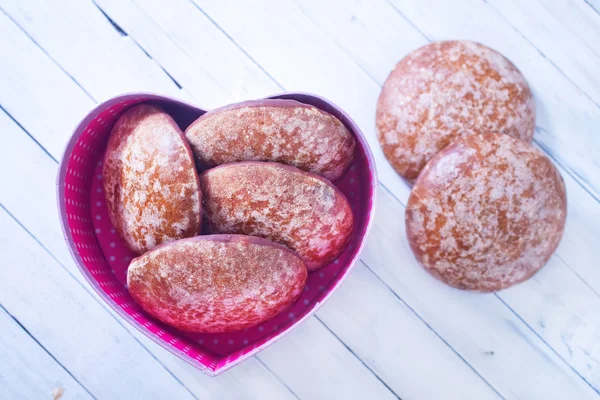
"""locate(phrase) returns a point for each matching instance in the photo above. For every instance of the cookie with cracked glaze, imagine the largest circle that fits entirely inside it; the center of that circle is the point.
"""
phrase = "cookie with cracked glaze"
(284, 131)
(217, 283)
(486, 213)
(299, 209)
(448, 90)
(150, 181)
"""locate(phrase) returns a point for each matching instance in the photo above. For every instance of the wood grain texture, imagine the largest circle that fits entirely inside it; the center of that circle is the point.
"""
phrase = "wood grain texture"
(93, 51)
(27, 371)
(315, 340)
(566, 33)
(24, 65)
(380, 335)
(392, 340)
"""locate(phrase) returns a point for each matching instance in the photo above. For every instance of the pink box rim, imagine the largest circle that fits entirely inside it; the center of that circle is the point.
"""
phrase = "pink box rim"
(80, 128)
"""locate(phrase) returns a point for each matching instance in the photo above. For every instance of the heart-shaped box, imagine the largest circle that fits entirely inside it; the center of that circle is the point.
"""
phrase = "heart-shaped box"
(103, 259)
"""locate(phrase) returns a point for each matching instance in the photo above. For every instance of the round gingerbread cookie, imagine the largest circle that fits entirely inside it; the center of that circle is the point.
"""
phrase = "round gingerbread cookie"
(487, 212)
(447, 90)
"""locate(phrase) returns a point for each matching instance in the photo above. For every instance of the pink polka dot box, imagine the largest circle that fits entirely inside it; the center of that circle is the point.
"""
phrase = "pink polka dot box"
(103, 259)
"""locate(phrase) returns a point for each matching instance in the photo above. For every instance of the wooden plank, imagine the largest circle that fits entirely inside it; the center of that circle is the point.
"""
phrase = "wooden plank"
(552, 27)
(27, 371)
(72, 326)
(334, 377)
(84, 43)
(250, 380)
(565, 33)
(29, 195)
(28, 74)
(594, 4)
(371, 33)
(581, 19)
(404, 358)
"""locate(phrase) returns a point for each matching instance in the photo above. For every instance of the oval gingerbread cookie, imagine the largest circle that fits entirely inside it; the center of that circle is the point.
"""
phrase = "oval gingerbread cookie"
(284, 131)
(447, 90)
(150, 182)
(486, 213)
(299, 209)
(218, 283)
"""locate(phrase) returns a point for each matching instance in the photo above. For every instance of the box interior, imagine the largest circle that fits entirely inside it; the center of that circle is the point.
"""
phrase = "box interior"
(103, 258)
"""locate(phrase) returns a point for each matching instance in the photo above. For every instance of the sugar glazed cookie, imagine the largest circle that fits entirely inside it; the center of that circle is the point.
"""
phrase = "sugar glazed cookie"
(217, 283)
(150, 182)
(486, 213)
(296, 208)
(448, 90)
(283, 131)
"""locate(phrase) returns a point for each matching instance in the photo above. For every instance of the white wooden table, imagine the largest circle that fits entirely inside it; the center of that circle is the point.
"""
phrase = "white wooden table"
(391, 331)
